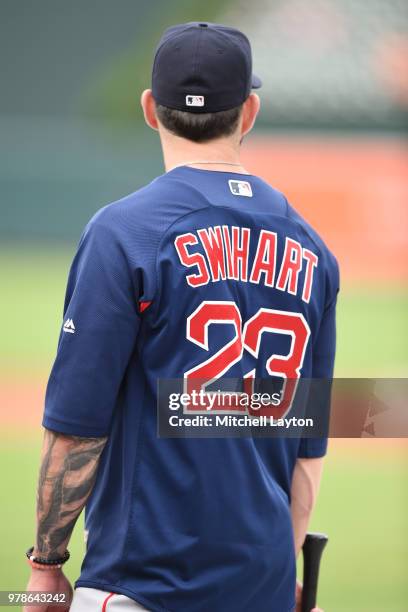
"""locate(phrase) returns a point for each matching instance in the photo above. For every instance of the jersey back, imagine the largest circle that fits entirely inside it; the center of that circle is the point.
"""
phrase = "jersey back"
(201, 276)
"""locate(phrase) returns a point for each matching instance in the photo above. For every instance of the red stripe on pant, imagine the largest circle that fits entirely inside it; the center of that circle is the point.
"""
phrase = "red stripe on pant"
(105, 601)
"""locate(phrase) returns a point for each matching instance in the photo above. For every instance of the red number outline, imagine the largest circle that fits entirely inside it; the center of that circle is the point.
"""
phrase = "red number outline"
(249, 339)
(289, 372)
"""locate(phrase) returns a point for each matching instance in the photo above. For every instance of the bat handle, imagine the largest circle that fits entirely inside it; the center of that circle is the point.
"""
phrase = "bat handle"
(312, 553)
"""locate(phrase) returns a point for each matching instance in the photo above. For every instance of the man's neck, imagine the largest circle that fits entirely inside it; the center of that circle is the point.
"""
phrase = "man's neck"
(219, 155)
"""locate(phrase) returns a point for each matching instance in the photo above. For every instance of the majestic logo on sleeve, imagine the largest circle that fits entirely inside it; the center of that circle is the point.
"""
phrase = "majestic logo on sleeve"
(222, 252)
(69, 326)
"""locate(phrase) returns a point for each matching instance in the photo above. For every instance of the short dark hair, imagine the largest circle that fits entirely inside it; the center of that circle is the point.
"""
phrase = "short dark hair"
(199, 127)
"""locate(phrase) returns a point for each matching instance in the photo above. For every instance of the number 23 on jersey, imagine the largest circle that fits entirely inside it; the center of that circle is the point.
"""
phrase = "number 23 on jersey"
(248, 337)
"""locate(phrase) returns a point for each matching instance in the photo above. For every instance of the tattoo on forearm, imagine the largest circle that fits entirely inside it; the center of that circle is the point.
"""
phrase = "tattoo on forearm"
(67, 475)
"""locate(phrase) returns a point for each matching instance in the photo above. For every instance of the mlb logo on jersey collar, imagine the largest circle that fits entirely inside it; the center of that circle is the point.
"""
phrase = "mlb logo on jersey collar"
(240, 188)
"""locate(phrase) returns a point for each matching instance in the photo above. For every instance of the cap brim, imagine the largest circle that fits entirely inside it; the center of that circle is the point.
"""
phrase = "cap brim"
(256, 82)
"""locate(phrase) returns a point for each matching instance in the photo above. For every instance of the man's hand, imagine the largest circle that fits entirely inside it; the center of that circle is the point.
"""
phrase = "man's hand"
(50, 581)
(299, 599)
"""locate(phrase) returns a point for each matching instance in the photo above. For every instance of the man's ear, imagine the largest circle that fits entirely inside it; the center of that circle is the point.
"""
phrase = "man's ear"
(250, 111)
(149, 109)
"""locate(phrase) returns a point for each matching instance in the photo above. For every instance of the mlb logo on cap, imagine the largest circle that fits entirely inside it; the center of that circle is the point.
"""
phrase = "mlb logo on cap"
(240, 188)
(195, 100)
(209, 58)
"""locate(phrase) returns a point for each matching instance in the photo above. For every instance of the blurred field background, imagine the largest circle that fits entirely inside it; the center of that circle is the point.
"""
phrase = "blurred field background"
(331, 135)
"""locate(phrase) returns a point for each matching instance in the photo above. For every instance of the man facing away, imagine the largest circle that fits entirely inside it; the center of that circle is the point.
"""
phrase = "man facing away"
(207, 272)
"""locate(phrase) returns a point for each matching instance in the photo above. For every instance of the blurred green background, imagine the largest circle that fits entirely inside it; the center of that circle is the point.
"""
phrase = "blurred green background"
(331, 134)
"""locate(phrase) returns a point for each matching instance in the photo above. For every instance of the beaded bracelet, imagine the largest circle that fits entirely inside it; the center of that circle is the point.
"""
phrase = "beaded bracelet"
(42, 563)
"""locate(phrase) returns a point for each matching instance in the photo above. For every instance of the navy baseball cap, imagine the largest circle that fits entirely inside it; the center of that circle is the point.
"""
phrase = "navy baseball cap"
(202, 67)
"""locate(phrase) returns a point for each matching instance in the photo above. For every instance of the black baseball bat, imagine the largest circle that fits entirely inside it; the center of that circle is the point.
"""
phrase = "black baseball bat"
(312, 553)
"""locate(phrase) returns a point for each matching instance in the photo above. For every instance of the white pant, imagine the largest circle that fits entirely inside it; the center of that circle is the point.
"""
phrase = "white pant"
(94, 600)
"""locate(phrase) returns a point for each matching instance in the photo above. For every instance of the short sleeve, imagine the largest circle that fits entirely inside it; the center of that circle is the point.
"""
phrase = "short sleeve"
(323, 356)
(100, 327)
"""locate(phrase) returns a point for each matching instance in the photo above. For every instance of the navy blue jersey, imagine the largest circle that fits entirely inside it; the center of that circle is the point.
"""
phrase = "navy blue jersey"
(199, 274)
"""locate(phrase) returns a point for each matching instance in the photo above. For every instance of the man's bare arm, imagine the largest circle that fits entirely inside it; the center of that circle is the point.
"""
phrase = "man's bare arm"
(67, 475)
(305, 487)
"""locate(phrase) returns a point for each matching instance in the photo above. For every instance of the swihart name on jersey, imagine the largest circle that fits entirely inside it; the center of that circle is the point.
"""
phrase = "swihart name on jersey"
(227, 256)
